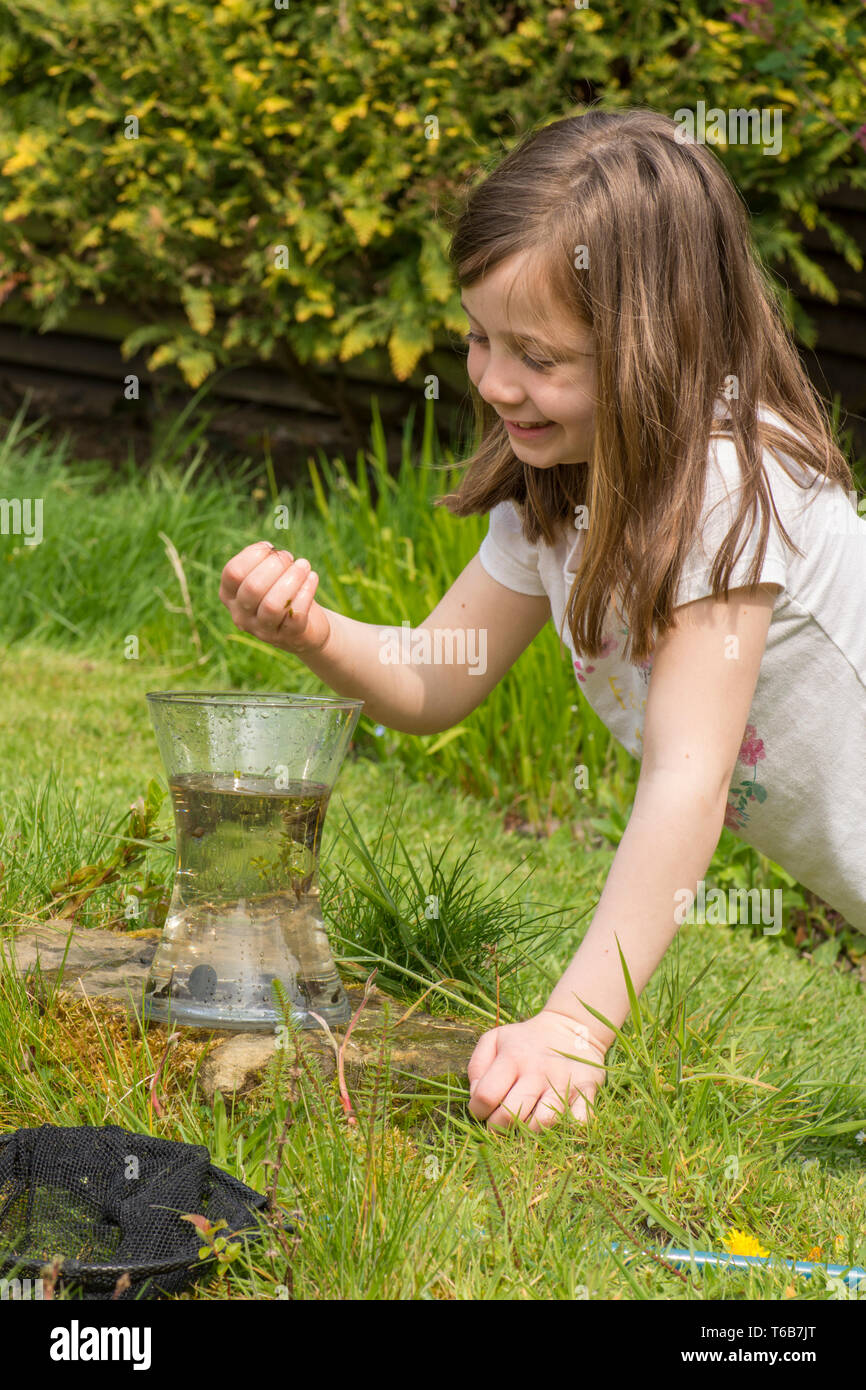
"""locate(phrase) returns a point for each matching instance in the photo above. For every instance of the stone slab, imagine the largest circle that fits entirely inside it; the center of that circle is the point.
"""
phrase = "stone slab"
(97, 962)
(109, 965)
(422, 1045)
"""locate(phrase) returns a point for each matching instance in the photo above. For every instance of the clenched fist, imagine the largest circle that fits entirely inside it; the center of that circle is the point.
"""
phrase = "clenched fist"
(270, 595)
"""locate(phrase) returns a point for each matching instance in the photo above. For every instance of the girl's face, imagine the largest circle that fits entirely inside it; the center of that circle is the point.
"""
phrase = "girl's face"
(520, 383)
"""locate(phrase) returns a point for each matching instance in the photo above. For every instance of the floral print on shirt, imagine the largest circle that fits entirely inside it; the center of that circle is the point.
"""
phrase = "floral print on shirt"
(609, 645)
(751, 751)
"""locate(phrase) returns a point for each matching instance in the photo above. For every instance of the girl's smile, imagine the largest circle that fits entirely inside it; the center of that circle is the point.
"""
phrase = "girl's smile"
(524, 432)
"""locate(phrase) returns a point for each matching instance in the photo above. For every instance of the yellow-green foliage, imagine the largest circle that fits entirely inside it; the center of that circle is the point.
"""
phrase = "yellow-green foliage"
(263, 125)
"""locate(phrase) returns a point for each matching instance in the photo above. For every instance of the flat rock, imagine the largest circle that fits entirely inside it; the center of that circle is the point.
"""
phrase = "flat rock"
(109, 965)
(420, 1046)
(237, 1065)
(98, 963)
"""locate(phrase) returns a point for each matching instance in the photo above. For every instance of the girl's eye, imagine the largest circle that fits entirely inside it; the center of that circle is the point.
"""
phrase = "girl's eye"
(530, 361)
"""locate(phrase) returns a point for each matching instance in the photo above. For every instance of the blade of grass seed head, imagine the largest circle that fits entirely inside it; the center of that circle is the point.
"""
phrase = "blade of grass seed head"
(484, 1155)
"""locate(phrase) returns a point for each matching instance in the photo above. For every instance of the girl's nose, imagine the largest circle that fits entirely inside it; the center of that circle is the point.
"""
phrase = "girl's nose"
(499, 388)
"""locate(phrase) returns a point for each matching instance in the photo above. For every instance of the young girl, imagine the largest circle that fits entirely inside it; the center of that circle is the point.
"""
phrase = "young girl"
(661, 481)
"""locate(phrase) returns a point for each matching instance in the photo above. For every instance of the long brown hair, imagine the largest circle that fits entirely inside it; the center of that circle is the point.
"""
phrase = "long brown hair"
(679, 303)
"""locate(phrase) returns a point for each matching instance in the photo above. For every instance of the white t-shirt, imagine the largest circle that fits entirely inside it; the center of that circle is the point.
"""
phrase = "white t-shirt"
(798, 793)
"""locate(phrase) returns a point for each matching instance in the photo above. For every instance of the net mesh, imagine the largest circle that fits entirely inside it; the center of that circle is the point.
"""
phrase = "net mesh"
(105, 1202)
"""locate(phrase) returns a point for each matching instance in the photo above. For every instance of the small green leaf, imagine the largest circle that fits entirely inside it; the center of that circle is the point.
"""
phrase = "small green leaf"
(632, 997)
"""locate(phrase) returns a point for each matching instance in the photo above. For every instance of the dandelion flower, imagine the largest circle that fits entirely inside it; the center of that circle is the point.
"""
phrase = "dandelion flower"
(740, 1243)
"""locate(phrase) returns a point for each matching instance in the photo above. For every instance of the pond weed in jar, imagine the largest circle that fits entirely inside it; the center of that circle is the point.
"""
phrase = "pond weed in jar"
(245, 906)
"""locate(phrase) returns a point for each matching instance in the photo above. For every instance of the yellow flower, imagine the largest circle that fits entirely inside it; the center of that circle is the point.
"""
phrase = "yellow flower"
(740, 1243)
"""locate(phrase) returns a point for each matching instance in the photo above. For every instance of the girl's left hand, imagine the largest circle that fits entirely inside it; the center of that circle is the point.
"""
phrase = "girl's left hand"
(528, 1069)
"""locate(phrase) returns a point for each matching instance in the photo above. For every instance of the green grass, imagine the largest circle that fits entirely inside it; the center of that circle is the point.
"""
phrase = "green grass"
(699, 1136)
(734, 1099)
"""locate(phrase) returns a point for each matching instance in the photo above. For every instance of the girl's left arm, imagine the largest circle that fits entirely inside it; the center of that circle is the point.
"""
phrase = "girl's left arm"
(705, 670)
(700, 692)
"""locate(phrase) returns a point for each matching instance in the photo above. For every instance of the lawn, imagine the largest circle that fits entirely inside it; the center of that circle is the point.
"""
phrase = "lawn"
(736, 1094)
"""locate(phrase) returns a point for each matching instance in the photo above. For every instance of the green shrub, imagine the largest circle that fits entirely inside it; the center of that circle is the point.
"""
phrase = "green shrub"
(305, 127)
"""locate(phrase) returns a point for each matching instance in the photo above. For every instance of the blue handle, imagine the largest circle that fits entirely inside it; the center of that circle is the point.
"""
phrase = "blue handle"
(852, 1274)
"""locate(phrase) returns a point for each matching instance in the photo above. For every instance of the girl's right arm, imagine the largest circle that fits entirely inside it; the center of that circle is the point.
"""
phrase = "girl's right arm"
(260, 584)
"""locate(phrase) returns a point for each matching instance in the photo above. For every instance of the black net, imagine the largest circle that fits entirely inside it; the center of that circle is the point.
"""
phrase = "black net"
(105, 1202)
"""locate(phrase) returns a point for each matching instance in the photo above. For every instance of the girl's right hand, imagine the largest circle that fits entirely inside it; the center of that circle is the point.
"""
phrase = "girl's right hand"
(270, 596)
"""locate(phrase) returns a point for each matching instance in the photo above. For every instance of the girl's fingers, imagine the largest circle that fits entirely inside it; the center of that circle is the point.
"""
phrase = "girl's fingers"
(581, 1106)
(241, 566)
(548, 1110)
(283, 592)
(297, 605)
(482, 1058)
(496, 1082)
(552, 1105)
(252, 594)
(518, 1104)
